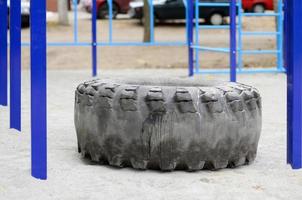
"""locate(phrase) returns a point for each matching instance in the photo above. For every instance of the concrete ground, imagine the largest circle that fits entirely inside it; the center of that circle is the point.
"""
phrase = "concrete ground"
(70, 177)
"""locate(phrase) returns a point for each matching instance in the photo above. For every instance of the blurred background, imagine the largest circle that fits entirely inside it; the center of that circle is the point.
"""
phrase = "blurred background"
(128, 26)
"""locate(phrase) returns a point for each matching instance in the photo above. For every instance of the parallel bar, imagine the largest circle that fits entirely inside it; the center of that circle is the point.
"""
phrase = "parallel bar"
(260, 14)
(204, 4)
(233, 44)
(190, 9)
(243, 71)
(3, 52)
(293, 59)
(94, 38)
(260, 33)
(38, 89)
(260, 51)
(214, 27)
(87, 44)
(15, 64)
(213, 49)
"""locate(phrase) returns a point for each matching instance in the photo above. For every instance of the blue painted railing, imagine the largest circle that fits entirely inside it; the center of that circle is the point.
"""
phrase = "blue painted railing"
(196, 45)
(293, 62)
(278, 34)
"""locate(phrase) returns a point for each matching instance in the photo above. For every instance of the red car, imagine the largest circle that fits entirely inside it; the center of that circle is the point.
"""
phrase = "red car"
(257, 6)
(118, 6)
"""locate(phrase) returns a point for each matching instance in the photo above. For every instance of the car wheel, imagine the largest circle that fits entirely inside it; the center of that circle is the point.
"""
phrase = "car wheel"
(258, 8)
(103, 12)
(216, 19)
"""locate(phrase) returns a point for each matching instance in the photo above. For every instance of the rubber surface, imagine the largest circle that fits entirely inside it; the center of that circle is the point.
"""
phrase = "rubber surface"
(168, 124)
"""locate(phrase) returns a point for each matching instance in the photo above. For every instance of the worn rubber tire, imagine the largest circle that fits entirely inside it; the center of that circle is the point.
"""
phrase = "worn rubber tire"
(167, 125)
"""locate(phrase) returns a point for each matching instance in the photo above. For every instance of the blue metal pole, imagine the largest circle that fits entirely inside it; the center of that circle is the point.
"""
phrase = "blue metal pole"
(75, 21)
(285, 39)
(187, 17)
(38, 89)
(151, 6)
(233, 45)
(197, 37)
(110, 7)
(15, 64)
(190, 8)
(94, 39)
(240, 46)
(293, 55)
(3, 52)
(280, 36)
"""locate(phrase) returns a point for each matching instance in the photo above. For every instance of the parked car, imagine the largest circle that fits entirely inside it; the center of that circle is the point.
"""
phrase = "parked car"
(257, 6)
(118, 6)
(25, 12)
(175, 9)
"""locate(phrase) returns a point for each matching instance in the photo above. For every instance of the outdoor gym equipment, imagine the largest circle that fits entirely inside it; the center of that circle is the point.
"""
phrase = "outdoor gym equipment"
(238, 45)
(168, 124)
(292, 53)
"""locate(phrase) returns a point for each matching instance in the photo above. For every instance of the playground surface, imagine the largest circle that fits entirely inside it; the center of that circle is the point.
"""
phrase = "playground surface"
(71, 177)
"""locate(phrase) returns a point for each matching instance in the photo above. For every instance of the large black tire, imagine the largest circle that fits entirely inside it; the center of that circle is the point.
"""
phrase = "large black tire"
(167, 125)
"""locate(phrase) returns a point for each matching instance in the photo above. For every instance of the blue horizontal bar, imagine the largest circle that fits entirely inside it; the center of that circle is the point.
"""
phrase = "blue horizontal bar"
(260, 51)
(83, 44)
(142, 44)
(68, 44)
(215, 4)
(214, 27)
(200, 48)
(260, 33)
(260, 14)
(241, 71)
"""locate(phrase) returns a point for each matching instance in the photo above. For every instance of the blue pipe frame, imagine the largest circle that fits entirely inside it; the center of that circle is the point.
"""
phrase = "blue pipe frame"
(292, 54)
(38, 89)
(94, 43)
(15, 64)
(3, 53)
(278, 34)
(293, 62)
